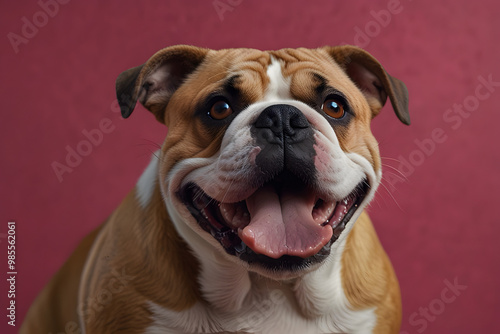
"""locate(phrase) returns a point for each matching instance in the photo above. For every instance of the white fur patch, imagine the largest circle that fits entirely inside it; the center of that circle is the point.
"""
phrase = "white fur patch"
(147, 182)
(269, 308)
(279, 87)
(320, 295)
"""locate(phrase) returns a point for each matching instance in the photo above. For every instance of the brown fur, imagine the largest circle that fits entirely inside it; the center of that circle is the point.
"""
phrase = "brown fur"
(160, 267)
(142, 244)
(368, 277)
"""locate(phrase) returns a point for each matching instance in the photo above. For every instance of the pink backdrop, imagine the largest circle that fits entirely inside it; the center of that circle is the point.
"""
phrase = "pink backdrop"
(440, 225)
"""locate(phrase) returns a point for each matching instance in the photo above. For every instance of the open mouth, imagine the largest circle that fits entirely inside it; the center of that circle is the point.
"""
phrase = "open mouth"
(284, 225)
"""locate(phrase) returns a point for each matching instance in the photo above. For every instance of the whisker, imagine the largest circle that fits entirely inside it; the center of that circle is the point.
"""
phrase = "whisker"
(390, 194)
(227, 190)
(392, 159)
(151, 143)
(397, 170)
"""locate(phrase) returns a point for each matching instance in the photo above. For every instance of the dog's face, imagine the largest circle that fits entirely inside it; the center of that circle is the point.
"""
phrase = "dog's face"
(269, 157)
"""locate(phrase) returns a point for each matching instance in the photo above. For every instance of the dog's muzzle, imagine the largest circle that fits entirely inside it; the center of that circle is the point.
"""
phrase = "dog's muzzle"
(285, 224)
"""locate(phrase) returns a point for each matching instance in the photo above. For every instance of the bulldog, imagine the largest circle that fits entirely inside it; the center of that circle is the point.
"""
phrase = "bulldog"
(250, 218)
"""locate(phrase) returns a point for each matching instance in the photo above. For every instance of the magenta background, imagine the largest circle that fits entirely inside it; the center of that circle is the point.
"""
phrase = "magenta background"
(440, 224)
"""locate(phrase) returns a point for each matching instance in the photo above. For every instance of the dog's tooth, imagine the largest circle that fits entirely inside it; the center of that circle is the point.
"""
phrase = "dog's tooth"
(227, 211)
(234, 214)
(322, 213)
(242, 215)
(240, 247)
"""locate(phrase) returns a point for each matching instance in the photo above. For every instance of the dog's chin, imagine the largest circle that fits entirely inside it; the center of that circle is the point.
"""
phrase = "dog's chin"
(226, 221)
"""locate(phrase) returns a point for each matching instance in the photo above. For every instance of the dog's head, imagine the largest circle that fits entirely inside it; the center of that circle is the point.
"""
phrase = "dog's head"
(269, 157)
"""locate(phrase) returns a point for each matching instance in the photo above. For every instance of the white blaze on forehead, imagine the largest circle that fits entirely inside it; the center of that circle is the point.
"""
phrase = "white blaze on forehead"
(279, 86)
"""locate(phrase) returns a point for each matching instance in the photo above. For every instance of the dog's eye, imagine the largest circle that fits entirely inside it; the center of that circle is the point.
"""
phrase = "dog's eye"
(220, 110)
(334, 108)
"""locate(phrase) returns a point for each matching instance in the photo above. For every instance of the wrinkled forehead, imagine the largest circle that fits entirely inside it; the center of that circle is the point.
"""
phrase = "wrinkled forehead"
(249, 70)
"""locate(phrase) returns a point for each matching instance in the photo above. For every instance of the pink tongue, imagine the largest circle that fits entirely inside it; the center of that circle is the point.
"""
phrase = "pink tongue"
(283, 225)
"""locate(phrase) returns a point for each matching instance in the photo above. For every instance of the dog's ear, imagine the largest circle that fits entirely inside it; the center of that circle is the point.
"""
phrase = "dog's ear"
(372, 79)
(154, 82)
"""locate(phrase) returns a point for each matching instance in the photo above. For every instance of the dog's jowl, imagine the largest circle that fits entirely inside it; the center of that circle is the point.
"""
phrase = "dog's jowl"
(249, 219)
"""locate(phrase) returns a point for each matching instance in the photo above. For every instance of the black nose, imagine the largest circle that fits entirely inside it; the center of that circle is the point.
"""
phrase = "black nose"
(281, 124)
(286, 139)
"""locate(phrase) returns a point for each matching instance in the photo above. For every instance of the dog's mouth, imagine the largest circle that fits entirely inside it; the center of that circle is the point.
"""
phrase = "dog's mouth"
(283, 225)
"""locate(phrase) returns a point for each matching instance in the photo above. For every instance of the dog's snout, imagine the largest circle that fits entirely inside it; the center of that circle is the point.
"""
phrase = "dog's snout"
(286, 139)
(281, 122)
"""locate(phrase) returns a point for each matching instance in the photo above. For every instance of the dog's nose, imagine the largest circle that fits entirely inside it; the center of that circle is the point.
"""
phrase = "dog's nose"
(286, 139)
(281, 124)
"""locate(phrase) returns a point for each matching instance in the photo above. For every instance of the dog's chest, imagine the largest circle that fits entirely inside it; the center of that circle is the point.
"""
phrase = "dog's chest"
(270, 314)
